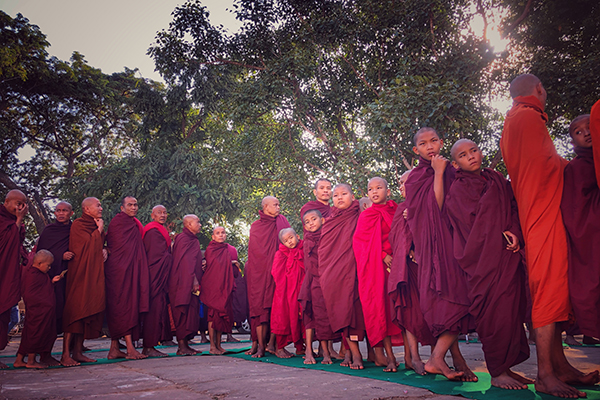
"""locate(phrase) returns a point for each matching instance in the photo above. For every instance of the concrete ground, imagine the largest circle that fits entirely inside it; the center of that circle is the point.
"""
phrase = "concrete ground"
(219, 377)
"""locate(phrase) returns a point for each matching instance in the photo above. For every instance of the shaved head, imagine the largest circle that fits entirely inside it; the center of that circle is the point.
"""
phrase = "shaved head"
(458, 143)
(43, 256)
(88, 201)
(423, 130)
(380, 179)
(345, 185)
(576, 121)
(192, 223)
(217, 228)
(285, 231)
(64, 204)
(404, 176)
(15, 194)
(159, 214)
(219, 235)
(91, 206)
(524, 85)
(189, 218)
(270, 206)
(267, 200)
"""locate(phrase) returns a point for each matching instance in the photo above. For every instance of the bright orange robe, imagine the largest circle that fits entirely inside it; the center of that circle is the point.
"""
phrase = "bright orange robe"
(536, 173)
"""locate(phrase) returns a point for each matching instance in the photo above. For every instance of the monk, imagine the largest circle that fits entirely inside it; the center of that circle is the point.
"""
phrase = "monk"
(337, 271)
(373, 253)
(487, 239)
(580, 208)
(403, 289)
(85, 299)
(322, 193)
(39, 332)
(288, 274)
(442, 283)
(536, 173)
(12, 234)
(262, 246)
(157, 243)
(184, 284)
(217, 289)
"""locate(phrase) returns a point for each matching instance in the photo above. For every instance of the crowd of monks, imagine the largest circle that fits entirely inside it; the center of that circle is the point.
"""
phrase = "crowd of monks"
(467, 251)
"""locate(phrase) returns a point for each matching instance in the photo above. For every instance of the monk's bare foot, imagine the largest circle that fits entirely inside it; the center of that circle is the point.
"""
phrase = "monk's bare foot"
(3, 366)
(571, 341)
(417, 365)
(469, 376)
(67, 361)
(335, 355)
(573, 376)
(186, 351)
(283, 353)
(152, 352)
(358, 364)
(135, 355)
(203, 339)
(253, 349)
(391, 367)
(271, 348)
(168, 343)
(441, 368)
(309, 358)
(231, 339)
(259, 353)
(505, 381)
(215, 351)
(326, 360)
(347, 359)
(19, 363)
(520, 378)
(590, 340)
(49, 361)
(379, 358)
(114, 354)
(35, 365)
(82, 359)
(555, 387)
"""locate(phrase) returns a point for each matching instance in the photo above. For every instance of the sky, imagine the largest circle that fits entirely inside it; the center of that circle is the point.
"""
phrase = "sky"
(111, 34)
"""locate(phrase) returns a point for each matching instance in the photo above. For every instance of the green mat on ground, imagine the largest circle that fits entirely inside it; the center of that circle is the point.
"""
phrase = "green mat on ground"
(435, 383)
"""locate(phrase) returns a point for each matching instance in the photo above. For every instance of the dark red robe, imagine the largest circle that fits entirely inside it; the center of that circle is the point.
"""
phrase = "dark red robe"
(337, 271)
(581, 214)
(55, 239)
(187, 264)
(11, 249)
(325, 209)
(157, 243)
(288, 274)
(39, 332)
(480, 208)
(371, 245)
(127, 277)
(442, 283)
(85, 299)
(403, 282)
(217, 286)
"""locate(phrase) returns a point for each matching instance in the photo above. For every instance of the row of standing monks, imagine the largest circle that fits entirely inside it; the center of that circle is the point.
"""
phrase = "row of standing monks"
(453, 258)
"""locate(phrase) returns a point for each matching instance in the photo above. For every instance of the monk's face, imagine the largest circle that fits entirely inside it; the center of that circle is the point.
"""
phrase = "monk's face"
(219, 235)
(403, 179)
(428, 145)
(130, 206)
(312, 222)
(63, 213)
(290, 240)
(159, 214)
(377, 191)
(43, 265)
(468, 157)
(15, 203)
(271, 207)
(342, 197)
(580, 133)
(323, 191)
(93, 209)
(194, 225)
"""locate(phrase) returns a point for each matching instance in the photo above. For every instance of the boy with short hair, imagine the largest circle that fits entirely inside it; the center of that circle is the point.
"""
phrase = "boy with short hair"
(39, 332)
(288, 274)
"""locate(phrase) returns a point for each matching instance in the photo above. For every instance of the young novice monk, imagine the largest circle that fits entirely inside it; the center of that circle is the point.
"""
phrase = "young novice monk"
(337, 270)
(487, 236)
(39, 332)
(373, 254)
(442, 284)
(288, 274)
(581, 214)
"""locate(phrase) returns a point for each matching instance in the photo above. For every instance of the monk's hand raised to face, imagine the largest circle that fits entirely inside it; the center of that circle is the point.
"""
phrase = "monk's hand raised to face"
(438, 163)
(99, 224)
(21, 213)
(388, 260)
(513, 245)
(104, 254)
(68, 255)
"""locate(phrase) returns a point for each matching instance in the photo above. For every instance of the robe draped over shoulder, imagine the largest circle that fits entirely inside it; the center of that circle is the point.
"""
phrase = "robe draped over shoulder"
(217, 285)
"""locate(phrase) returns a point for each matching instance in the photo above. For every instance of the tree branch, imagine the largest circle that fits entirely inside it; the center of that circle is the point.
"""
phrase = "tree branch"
(519, 20)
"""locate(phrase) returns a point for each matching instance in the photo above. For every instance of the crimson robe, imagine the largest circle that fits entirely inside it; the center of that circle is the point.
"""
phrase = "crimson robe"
(11, 249)
(288, 274)
(187, 264)
(371, 245)
(39, 332)
(324, 209)
(85, 299)
(55, 238)
(157, 244)
(217, 286)
(536, 174)
(337, 271)
(127, 277)
(581, 213)
(403, 282)
(442, 283)
(480, 208)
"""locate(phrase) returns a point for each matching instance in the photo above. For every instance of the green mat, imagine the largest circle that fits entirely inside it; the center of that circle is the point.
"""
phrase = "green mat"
(435, 383)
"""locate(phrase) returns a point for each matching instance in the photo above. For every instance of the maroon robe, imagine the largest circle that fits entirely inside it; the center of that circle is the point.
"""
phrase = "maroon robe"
(337, 271)
(127, 277)
(187, 264)
(403, 282)
(324, 209)
(217, 286)
(39, 332)
(262, 246)
(85, 299)
(11, 249)
(581, 214)
(55, 239)
(157, 243)
(442, 283)
(480, 208)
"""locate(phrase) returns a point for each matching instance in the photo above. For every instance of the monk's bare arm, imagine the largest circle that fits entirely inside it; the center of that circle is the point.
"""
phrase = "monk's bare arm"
(438, 163)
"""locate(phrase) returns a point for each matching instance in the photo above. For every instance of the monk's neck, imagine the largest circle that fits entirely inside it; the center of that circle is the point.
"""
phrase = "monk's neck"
(324, 202)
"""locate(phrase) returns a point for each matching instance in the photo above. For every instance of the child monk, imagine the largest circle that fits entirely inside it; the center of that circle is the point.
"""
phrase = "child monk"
(337, 271)
(442, 283)
(39, 332)
(581, 214)
(487, 235)
(373, 254)
(288, 274)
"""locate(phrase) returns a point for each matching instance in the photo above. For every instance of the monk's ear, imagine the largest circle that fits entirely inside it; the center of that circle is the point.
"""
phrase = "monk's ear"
(455, 165)
(315, 192)
(389, 193)
(442, 142)
(353, 198)
(415, 150)
(322, 220)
